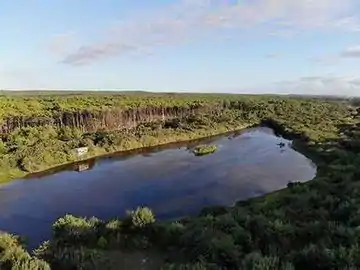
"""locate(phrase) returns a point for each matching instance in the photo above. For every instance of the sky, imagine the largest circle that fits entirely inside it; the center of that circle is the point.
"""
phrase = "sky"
(237, 46)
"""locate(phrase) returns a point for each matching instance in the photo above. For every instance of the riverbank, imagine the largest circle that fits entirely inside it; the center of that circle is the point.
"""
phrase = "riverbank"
(139, 150)
(147, 140)
(164, 141)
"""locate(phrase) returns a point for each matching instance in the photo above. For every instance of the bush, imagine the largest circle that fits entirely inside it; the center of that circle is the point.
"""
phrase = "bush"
(14, 257)
(113, 225)
(78, 258)
(44, 251)
(76, 230)
(202, 150)
(256, 261)
(102, 242)
(141, 217)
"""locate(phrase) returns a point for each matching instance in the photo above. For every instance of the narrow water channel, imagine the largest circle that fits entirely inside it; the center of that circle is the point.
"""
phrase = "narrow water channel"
(171, 181)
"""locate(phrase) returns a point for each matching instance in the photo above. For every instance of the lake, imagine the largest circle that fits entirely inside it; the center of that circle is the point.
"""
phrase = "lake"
(171, 180)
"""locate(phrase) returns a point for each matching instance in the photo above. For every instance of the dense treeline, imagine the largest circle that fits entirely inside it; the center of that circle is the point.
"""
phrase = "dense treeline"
(313, 225)
(110, 112)
(53, 105)
(39, 132)
(115, 119)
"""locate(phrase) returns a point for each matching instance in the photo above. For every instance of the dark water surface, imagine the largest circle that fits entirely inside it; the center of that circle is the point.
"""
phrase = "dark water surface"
(172, 181)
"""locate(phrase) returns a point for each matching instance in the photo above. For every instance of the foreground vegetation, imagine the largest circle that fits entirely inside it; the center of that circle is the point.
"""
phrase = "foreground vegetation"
(313, 225)
(202, 150)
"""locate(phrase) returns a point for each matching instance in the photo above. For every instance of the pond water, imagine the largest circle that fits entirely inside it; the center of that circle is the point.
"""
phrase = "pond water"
(169, 179)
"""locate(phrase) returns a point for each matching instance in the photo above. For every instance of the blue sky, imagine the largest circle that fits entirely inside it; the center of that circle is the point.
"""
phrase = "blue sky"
(258, 46)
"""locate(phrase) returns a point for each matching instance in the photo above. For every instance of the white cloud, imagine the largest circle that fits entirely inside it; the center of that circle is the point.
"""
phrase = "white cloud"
(321, 85)
(188, 19)
(351, 52)
(332, 59)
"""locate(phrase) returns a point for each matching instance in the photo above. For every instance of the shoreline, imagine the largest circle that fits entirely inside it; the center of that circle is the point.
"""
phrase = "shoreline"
(209, 133)
(200, 134)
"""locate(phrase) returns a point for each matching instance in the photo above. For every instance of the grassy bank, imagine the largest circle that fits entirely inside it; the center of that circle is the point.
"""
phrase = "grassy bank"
(56, 151)
(313, 225)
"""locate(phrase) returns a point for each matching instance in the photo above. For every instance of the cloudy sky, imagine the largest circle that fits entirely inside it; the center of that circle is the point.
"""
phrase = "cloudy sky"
(281, 46)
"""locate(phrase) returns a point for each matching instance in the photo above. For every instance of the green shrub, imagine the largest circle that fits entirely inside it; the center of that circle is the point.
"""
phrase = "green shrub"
(14, 257)
(44, 251)
(76, 230)
(256, 261)
(141, 217)
(102, 242)
(201, 150)
(113, 225)
(78, 258)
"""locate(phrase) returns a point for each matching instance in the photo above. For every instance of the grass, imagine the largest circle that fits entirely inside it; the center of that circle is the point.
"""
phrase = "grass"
(202, 150)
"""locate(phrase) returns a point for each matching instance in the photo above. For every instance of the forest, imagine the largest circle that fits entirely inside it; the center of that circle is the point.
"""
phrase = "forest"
(312, 225)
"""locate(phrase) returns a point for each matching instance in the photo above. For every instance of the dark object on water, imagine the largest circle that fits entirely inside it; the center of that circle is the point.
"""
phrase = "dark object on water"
(281, 144)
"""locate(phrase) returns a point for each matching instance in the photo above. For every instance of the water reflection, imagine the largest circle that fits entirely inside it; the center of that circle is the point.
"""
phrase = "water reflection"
(84, 165)
(169, 179)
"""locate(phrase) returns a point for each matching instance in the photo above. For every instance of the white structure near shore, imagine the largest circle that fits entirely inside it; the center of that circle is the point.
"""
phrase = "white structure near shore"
(81, 151)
